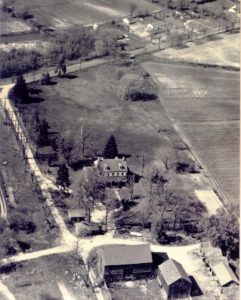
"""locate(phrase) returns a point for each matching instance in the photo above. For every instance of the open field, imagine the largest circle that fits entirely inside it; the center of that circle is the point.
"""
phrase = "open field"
(66, 13)
(223, 50)
(204, 103)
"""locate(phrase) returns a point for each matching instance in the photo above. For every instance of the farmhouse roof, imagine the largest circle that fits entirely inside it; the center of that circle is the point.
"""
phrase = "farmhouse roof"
(116, 255)
(224, 274)
(172, 271)
(113, 164)
(76, 213)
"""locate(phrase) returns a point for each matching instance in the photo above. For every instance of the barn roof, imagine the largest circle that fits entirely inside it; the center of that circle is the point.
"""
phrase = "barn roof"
(115, 255)
(172, 271)
(224, 274)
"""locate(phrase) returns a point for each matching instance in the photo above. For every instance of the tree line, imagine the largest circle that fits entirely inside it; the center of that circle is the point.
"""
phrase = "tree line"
(76, 43)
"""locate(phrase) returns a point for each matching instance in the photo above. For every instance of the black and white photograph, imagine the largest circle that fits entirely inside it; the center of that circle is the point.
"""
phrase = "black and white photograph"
(119, 149)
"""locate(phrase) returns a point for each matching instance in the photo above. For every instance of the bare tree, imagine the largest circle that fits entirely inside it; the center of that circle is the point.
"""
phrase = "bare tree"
(67, 146)
(86, 138)
(133, 8)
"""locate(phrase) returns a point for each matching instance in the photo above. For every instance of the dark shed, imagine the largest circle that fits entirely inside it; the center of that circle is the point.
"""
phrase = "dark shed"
(174, 280)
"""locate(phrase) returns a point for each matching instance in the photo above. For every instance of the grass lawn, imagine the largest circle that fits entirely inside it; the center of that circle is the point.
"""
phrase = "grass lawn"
(92, 100)
(221, 51)
(23, 198)
(41, 278)
(205, 104)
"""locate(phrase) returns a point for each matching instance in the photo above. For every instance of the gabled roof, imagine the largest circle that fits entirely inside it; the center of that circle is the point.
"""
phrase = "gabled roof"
(172, 271)
(224, 274)
(76, 213)
(113, 164)
(115, 255)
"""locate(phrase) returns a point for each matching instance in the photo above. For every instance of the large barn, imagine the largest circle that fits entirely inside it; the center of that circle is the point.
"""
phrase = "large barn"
(124, 262)
(174, 280)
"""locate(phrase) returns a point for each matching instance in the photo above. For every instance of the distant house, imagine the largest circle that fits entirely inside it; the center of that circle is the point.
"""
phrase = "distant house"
(224, 274)
(113, 171)
(174, 280)
(124, 262)
(76, 215)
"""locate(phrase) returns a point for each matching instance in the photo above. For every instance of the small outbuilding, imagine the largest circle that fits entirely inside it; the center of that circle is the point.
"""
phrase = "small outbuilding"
(174, 280)
(224, 274)
(76, 215)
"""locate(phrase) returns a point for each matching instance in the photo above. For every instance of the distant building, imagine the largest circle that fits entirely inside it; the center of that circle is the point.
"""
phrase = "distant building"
(224, 274)
(124, 262)
(113, 171)
(174, 280)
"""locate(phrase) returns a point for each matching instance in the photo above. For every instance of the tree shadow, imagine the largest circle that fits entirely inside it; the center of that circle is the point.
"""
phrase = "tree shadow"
(32, 100)
(70, 76)
(181, 46)
(34, 91)
(8, 268)
(127, 204)
(195, 290)
(52, 83)
(80, 164)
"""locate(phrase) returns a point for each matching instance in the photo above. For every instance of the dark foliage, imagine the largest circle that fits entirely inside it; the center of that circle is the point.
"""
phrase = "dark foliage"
(20, 89)
(43, 139)
(63, 177)
(223, 231)
(19, 61)
(111, 150)
(19, 221)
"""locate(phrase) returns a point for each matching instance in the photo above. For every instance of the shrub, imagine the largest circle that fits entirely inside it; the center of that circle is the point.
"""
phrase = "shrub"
(3, 225)
(19, 221)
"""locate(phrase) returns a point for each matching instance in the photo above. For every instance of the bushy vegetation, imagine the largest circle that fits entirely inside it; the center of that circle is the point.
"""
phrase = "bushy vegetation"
(223, 231)
(18, 61)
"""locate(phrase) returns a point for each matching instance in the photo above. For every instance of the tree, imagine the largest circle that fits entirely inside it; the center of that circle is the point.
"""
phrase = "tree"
(111, 150)
(133, 8)
(61, 66)
(223, 231)
(85, 141)
(67, 147)
(20, 88)
(63, 177)
(3, 225)
(43, 139)
(19, 221)
(110, 204)
(45, 78)
(90, 191)
(99, 48)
